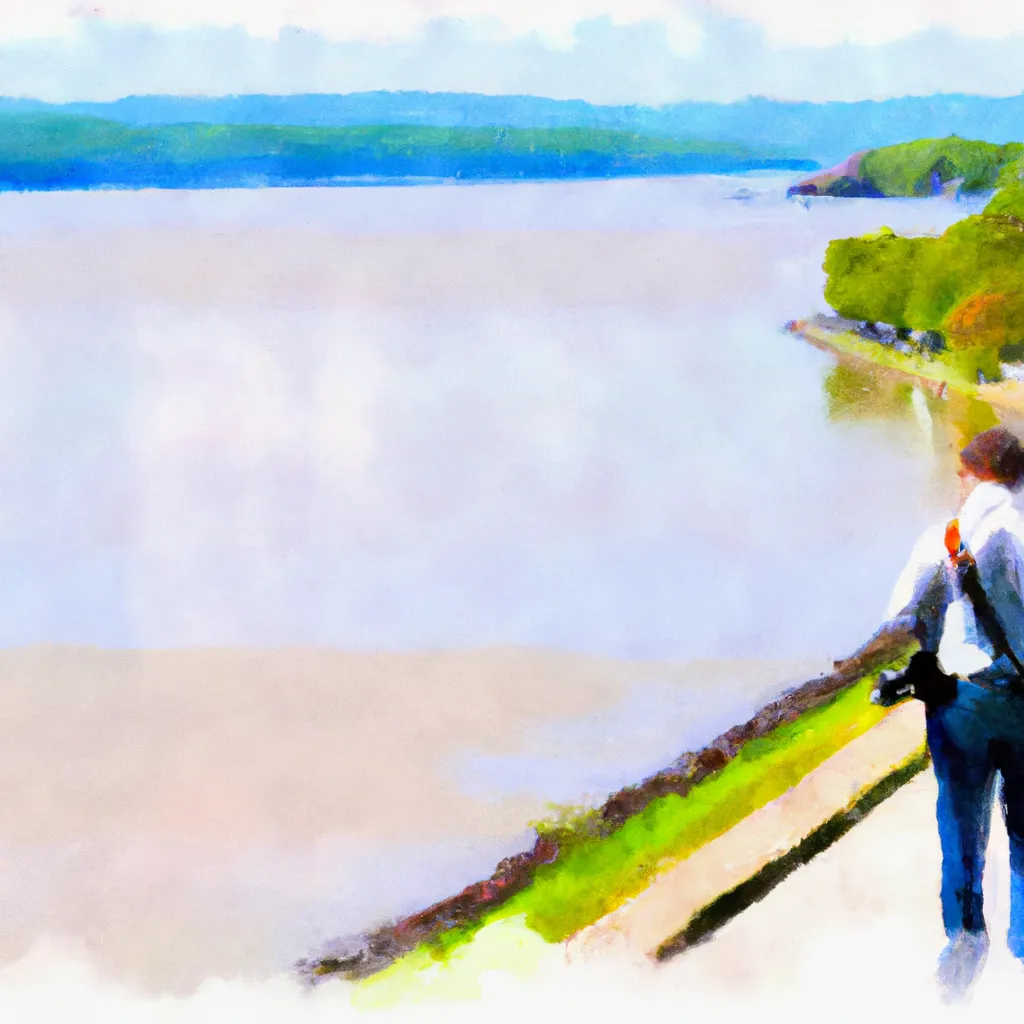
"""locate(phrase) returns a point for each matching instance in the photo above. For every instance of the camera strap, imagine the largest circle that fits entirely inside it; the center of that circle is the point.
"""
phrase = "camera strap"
(970, 581)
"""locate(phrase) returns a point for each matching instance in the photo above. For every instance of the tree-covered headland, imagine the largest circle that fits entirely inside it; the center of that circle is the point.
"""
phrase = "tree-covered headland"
(965, 287)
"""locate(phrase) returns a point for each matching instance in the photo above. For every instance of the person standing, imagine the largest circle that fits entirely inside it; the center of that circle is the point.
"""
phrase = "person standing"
(975, 720)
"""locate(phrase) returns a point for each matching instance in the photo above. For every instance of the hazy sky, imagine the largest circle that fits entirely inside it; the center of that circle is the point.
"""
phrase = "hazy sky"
(651, 51)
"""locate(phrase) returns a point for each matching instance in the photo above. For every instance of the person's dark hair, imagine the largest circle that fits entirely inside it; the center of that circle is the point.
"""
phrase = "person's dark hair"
(995, 455)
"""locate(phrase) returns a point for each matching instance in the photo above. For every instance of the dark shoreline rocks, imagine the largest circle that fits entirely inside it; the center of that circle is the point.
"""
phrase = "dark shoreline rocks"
(842, 181)
(841, 187)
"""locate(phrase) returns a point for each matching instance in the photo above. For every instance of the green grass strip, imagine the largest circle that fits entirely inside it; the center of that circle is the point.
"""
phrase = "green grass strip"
(942, 369)
(596, 874)
(593, 878)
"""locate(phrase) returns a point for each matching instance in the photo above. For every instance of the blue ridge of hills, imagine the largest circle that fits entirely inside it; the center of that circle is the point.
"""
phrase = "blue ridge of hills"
(825, 132)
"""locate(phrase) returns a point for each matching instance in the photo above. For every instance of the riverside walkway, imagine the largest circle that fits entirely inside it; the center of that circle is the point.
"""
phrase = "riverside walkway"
(857, 928)
(825, 897)
(857, 919)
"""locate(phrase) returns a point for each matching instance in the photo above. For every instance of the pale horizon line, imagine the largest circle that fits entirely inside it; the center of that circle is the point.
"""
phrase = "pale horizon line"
(752, 98)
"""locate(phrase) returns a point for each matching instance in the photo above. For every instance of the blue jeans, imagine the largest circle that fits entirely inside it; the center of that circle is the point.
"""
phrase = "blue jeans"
(972, 740)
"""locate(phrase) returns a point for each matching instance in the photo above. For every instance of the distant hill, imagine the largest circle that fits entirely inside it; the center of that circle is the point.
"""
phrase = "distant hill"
(825, 132)
(925, 167)
(46, 151)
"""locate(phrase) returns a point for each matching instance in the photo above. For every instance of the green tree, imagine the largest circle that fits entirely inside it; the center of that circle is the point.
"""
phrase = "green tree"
(871, 278)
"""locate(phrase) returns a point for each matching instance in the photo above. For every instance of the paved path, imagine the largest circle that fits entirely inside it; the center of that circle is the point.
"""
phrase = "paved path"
(851, 936)
(857, 925)
(659, 913)
(854, 931)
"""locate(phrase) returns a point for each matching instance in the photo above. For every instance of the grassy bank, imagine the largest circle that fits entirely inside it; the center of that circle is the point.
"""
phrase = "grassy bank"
(597, 871)
(940, 369)
(936, 372)
(597, 875)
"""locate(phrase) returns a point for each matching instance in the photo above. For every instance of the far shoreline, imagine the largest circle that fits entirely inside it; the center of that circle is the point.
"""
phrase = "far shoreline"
(406, 181)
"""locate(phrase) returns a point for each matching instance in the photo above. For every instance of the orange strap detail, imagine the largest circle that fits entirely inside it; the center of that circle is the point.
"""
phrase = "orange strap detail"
(953, 541)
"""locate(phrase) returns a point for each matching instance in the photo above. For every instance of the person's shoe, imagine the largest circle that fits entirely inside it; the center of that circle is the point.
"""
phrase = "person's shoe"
(960, 964)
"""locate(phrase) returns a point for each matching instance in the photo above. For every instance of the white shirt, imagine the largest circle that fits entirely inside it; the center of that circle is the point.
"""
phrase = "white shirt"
(988, 509)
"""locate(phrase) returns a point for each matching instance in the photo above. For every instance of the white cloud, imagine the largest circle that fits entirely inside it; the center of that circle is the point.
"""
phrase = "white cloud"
(719, 50)
(383, 21)
(786, 22)
(871, 22)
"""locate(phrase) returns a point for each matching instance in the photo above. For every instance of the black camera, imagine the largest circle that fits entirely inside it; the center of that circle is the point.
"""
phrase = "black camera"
(922, 680)
(893, 688)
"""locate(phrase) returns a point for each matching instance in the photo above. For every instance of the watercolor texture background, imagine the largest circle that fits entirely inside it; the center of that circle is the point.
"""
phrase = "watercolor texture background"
(345, 530)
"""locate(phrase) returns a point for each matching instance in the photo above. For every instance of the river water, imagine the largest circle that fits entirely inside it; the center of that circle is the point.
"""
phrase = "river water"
(555, 415)
(367, 521)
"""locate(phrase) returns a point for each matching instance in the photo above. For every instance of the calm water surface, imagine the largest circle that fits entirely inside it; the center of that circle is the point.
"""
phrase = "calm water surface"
(554, 415)
(557, 416)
